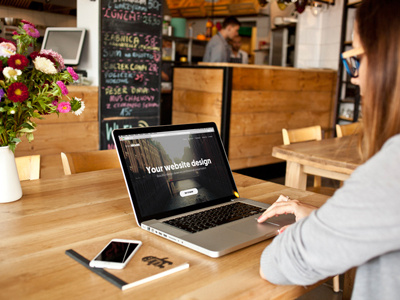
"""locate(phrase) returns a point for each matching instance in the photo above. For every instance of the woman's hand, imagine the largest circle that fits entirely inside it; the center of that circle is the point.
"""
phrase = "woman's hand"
(284, 205)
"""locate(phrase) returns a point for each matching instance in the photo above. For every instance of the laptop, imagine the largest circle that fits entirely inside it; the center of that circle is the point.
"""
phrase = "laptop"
(181, 188)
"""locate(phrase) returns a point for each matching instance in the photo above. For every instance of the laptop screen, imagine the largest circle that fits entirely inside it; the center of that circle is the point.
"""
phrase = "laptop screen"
(174, 169)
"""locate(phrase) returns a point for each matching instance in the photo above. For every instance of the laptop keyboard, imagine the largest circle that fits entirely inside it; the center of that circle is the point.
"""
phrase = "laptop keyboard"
(214, 217)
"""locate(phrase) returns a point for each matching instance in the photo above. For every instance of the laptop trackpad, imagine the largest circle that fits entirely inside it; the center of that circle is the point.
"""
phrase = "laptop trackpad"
(272, 225)
(282, 220)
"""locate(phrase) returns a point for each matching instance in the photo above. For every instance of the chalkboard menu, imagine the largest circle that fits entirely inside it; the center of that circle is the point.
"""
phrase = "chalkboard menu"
(130, 65)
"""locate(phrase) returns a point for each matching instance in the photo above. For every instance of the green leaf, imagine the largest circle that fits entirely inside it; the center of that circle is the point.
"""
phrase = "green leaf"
(30, 137)
(27, 125)
(75, 105)
(25, 130)
(42, 104)
(12, 147)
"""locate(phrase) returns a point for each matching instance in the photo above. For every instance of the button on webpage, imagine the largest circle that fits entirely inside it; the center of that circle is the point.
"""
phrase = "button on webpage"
(189, 192)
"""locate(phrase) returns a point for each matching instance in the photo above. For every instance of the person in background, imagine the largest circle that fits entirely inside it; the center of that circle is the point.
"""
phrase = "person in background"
(238, 55)
(218, 49)
(360, 225)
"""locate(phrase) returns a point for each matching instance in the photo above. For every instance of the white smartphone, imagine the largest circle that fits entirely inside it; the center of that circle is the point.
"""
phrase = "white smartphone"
(116, 254)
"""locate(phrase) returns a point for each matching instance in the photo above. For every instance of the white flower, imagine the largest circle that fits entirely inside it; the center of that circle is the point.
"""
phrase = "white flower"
(81, 109)
(9, 72)
(44, 65)
(9, 46)
(6, 52)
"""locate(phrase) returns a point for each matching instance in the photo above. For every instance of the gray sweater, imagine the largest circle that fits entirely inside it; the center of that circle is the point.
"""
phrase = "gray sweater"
(358, 226)
(217, 50)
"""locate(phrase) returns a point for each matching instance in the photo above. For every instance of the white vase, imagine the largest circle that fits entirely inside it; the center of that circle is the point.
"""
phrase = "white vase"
(10, 186)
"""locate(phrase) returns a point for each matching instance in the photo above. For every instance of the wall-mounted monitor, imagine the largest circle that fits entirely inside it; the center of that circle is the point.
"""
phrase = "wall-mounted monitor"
(67, 41)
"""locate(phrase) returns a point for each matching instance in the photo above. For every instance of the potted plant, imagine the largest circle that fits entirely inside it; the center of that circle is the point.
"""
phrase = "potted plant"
(31, 86)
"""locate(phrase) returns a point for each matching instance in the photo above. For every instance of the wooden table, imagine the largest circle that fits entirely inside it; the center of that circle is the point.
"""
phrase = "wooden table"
(334, 158)
(55, 215)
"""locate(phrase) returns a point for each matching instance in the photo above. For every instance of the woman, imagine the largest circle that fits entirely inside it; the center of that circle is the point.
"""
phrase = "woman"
(360, 225)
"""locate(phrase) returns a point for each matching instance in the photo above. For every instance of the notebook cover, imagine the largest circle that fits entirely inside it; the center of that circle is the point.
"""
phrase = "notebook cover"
(148, 264)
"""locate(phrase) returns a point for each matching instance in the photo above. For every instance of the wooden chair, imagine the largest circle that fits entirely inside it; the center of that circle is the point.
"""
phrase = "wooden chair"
(78, 162)
(312, 133)
(28, 167)
(348, 129)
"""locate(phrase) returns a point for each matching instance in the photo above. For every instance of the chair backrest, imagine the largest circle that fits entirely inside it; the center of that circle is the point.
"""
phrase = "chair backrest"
(28, 167)
(348, 129)
(312, 133)
(78, 162)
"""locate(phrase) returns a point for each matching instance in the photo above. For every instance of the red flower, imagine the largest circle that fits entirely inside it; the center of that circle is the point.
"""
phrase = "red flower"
(27, 22)
(35, 54)
(1, 66)
(18, 61)
(17, 92)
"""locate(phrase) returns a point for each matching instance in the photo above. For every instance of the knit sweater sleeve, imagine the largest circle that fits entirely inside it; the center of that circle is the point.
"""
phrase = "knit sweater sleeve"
(360, 222)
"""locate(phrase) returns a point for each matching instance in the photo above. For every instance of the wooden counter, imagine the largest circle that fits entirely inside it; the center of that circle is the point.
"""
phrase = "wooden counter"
(251, 104)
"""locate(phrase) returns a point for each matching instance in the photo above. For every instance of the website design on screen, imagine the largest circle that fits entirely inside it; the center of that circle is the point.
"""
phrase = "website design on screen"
(174, 170)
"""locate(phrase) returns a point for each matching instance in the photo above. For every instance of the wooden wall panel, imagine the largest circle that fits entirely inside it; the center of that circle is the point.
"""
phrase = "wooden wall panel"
(64, 133)
(279, 101)
(272, 122)
(197, 96)
(186, 118)
(282, 79)
(264, 100)
(58, 137)
(197, 79)
(196, 101)
(254, 150)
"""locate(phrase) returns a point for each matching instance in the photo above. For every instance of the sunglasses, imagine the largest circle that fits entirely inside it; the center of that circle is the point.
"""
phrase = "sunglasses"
(351, 61)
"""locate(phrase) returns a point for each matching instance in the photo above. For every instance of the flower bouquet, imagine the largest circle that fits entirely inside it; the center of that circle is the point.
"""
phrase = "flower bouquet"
(31, 86)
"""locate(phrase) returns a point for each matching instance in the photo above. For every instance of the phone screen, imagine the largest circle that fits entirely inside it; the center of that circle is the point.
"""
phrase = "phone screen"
(117, 252)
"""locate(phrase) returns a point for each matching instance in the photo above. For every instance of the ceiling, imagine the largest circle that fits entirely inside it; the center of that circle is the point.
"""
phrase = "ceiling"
(66, 7)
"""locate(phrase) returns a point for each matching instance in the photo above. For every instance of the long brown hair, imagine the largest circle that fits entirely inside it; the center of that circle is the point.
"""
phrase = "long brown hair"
(379, 29)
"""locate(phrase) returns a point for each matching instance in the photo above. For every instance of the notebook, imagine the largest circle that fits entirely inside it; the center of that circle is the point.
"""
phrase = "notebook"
(176, 171)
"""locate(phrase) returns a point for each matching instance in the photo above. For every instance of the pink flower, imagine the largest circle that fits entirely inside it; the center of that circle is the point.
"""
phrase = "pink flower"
(63, 88)
(64, 107)
(73, 74)
(31, 30)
